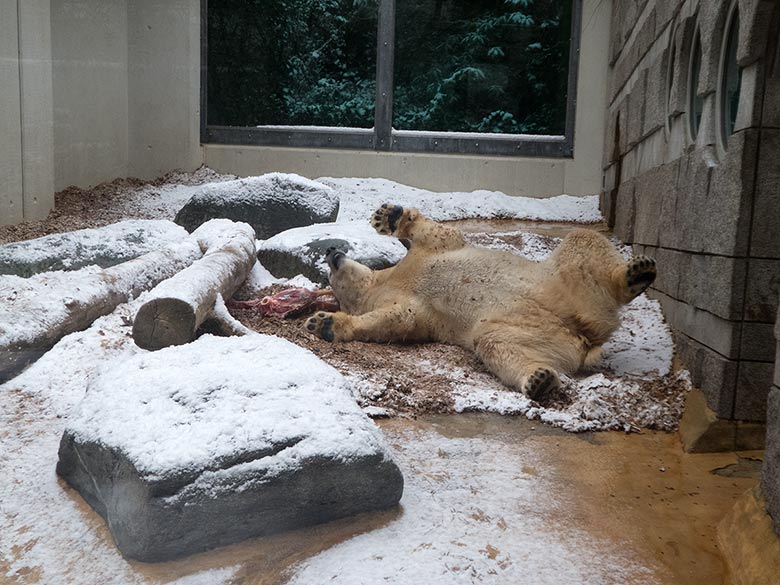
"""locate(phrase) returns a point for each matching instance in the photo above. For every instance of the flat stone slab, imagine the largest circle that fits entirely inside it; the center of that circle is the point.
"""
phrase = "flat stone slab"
(206, 444)
(270, 203)
(104, 247)
(302, 250)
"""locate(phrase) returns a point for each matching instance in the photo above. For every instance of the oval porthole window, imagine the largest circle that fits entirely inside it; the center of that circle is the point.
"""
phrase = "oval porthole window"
(695, 102)
(670, 86)
(730, 79)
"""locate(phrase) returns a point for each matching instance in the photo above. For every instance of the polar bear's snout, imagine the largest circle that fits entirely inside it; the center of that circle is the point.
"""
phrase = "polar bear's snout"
(334, 257)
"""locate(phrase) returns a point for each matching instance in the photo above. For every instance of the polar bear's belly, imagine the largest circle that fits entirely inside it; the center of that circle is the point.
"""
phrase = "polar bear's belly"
(468, 284)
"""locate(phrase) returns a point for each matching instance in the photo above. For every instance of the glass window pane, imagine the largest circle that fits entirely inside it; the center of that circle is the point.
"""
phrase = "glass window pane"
(476, 66)
(732, 81)
(695, 102)
(292, 62)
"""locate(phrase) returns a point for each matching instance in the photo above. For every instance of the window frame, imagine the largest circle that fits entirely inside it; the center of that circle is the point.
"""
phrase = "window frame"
(722, 107)
(383, 137)
(692, 85)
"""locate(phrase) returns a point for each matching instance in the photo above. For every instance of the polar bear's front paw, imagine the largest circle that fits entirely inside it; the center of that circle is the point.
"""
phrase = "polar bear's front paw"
(385, 219)
(640, 274)
(542, 385)
(321, 324)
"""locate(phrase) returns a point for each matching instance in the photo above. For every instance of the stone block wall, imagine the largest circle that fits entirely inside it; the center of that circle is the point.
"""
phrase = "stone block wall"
(707, 210)
(770, 477)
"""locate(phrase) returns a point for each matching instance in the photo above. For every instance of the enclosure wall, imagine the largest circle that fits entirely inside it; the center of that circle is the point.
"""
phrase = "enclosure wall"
(94, 90)
(701, 200)
(534, 177)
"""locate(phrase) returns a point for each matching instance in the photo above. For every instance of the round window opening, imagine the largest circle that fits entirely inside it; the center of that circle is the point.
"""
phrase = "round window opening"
(730, 81)
(695, 102)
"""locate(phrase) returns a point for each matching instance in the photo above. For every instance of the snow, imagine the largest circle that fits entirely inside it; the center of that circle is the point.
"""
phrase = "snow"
(34, 306)
(462, 524)
(438, 538)
(197, 409)
(360, 197)
(118, 242)
(287, 188)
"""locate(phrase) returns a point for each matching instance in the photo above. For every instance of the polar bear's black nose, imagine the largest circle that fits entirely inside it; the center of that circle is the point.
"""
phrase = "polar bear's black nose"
(334, 257)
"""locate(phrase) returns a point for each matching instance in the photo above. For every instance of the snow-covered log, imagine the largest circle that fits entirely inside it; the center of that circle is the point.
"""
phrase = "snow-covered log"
(37, 312)
(178, 306)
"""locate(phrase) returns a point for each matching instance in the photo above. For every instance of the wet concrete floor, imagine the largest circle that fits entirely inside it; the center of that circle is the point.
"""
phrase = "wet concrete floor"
(650, 507)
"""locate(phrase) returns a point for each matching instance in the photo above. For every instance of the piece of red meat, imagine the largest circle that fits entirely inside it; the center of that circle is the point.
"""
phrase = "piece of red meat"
(291, 302)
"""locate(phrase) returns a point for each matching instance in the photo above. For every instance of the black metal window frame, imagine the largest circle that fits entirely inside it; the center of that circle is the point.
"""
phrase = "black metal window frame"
(383, 137)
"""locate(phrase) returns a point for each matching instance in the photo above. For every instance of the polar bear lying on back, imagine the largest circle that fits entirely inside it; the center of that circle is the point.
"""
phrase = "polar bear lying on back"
(525, 320)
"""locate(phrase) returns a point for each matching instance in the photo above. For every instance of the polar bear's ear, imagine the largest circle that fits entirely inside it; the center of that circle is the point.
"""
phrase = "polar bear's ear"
(412, 214)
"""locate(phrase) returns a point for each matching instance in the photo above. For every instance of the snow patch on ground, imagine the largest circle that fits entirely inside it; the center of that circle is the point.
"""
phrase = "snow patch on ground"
(360, 197)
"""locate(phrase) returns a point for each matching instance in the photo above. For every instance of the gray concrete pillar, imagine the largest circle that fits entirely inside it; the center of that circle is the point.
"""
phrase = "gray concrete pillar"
(11, 190)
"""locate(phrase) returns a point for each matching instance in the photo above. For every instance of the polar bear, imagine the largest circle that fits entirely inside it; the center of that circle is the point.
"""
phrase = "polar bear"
(527, 321)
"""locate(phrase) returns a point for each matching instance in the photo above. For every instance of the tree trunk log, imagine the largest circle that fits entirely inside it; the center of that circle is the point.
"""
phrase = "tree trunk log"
(36, 312)
(177, 307)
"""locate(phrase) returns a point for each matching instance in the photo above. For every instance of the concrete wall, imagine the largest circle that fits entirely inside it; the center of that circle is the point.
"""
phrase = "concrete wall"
(95, 90)
(89, 46)
(770, 476)
(11, 186)
(26, 187)
(163, 86)
(710, 215)
(533, 177)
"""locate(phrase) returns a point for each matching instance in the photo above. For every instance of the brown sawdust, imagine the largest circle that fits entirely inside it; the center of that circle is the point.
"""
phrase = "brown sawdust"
(76, 208)
(393, 369)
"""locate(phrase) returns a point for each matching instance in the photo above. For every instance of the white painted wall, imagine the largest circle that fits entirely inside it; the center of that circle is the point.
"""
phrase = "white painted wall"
(11, 186)
(27, 185)
(163, 86)
(104, 89)
(89, 47)
(534, 177)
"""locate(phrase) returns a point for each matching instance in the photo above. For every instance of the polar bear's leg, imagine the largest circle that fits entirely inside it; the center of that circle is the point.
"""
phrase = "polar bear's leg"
(528, 358)
(635, 276)
(588, 252)
(349, 280)
(395, 323)
(407, 223)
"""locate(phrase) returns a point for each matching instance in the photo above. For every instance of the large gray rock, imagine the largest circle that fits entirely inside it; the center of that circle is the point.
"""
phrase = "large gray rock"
(270, 203)
(105, 247)
(206, 444)
(302, 250)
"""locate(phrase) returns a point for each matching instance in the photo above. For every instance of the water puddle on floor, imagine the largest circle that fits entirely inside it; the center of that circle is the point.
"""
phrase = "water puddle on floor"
(508, 500)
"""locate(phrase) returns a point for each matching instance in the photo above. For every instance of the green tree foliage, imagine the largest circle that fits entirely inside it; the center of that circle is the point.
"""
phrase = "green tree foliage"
(301, 62)
(461, 65)
(482, 66)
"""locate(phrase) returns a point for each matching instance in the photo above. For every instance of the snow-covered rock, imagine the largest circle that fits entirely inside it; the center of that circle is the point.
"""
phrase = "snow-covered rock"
(206, 444)
(106, 246)
(302, 250)
(270, 203)
(37, 312)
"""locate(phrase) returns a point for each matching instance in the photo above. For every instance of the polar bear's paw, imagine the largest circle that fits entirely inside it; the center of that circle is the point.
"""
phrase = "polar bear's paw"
(640, 274)
(386, 219)
(321, 324)
(542, 385)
